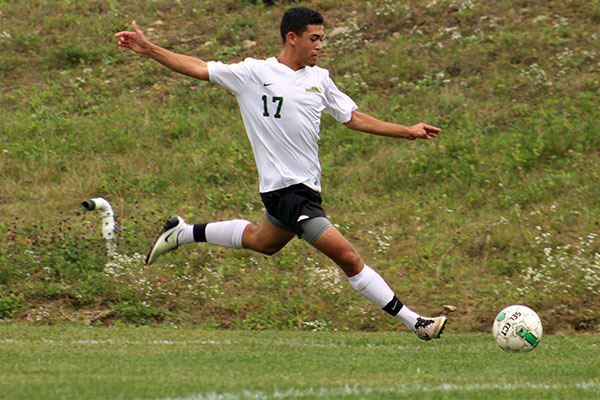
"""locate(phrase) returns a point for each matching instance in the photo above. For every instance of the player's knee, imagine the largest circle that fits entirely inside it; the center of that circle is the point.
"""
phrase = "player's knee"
(349, 260)
(253, 241)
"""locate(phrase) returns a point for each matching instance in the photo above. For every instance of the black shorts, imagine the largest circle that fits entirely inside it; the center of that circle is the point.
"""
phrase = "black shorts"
(292, 205)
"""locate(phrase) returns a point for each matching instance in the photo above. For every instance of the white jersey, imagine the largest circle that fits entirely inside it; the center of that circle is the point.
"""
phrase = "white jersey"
(281, 109)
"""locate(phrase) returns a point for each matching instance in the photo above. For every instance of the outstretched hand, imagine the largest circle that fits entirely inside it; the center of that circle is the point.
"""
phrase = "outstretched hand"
(135, 41)
(423, 131)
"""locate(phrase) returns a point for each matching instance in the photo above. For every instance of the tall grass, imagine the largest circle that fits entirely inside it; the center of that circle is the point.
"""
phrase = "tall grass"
(456, 221)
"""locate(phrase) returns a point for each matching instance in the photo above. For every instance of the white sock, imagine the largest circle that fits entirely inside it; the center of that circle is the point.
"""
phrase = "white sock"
(226, 233)
(408, 316)
(371, 285)
(186, 235)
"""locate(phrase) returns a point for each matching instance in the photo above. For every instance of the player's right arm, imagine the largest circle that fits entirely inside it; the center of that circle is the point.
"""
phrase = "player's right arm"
(190, 66)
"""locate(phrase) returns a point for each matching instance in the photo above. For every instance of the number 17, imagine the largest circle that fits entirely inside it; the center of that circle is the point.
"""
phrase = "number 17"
(278, 100)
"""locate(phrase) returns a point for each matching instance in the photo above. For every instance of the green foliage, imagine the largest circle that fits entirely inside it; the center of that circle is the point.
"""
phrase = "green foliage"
(137, 314)
(70, 56)
(10, 304)
(454, 221)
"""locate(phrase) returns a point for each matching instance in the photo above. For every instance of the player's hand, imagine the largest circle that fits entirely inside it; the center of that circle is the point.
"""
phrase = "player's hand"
(423, 131)
(135, 41)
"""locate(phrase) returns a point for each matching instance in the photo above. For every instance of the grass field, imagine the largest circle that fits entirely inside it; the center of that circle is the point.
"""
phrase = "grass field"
(62, 362)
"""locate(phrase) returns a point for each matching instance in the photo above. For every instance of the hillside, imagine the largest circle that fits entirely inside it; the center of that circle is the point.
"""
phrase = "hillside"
(502, 208)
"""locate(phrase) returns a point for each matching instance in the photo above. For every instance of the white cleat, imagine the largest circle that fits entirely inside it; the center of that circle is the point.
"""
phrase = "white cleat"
(430, 328)
(167, 240)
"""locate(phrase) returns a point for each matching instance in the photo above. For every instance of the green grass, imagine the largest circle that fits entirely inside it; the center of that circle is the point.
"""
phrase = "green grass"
(160, 363)
(502, 208)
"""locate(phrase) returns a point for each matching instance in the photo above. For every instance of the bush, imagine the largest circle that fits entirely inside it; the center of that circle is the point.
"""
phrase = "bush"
(137, 313)
(11, 304)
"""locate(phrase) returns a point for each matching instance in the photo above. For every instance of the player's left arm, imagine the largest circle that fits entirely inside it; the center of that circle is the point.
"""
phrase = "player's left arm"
(368, 124)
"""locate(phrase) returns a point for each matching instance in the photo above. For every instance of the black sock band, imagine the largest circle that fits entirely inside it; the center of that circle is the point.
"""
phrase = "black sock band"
(200, 232)
(393, 307)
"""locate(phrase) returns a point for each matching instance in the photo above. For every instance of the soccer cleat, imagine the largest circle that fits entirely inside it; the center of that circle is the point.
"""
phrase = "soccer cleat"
(167, 240)
(430, 328)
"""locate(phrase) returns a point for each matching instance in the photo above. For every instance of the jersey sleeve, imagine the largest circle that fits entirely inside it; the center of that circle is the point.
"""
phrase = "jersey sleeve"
(338, 104)
(231, 76)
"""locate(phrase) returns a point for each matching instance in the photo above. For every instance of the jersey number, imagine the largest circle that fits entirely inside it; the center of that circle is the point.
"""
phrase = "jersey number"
(278, 100)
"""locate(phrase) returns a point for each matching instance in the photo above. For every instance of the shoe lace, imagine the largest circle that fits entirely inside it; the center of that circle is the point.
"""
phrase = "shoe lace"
(423, 323)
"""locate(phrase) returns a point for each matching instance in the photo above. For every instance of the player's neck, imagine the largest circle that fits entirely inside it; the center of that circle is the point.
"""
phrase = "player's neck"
(288, 58)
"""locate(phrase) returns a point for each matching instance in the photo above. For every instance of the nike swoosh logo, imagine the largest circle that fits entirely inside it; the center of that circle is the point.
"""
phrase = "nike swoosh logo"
(168, 236)
(268, 84)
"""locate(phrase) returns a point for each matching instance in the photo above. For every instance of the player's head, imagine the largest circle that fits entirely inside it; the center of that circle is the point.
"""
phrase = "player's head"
(302, 34)
(297, 20)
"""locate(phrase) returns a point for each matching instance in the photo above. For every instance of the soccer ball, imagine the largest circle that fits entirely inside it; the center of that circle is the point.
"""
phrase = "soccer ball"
(517, 328)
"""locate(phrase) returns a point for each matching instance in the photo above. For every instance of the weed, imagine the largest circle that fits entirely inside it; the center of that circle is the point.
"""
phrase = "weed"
(565, 270)
(137, 314)
(10, 304)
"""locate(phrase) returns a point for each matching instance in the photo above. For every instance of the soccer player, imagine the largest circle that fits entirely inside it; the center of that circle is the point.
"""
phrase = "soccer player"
(281, 100)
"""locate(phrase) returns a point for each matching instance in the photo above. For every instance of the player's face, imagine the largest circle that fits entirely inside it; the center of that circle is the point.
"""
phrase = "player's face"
(309, 44)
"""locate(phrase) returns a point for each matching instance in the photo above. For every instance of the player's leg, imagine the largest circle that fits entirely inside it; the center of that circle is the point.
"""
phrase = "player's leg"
(370, 284)
(264, 238)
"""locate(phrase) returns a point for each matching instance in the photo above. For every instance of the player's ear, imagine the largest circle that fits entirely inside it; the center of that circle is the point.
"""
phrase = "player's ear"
(290, 37)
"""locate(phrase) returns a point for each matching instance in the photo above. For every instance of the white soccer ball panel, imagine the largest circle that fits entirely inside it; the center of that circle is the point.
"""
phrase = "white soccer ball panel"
(517, 328)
